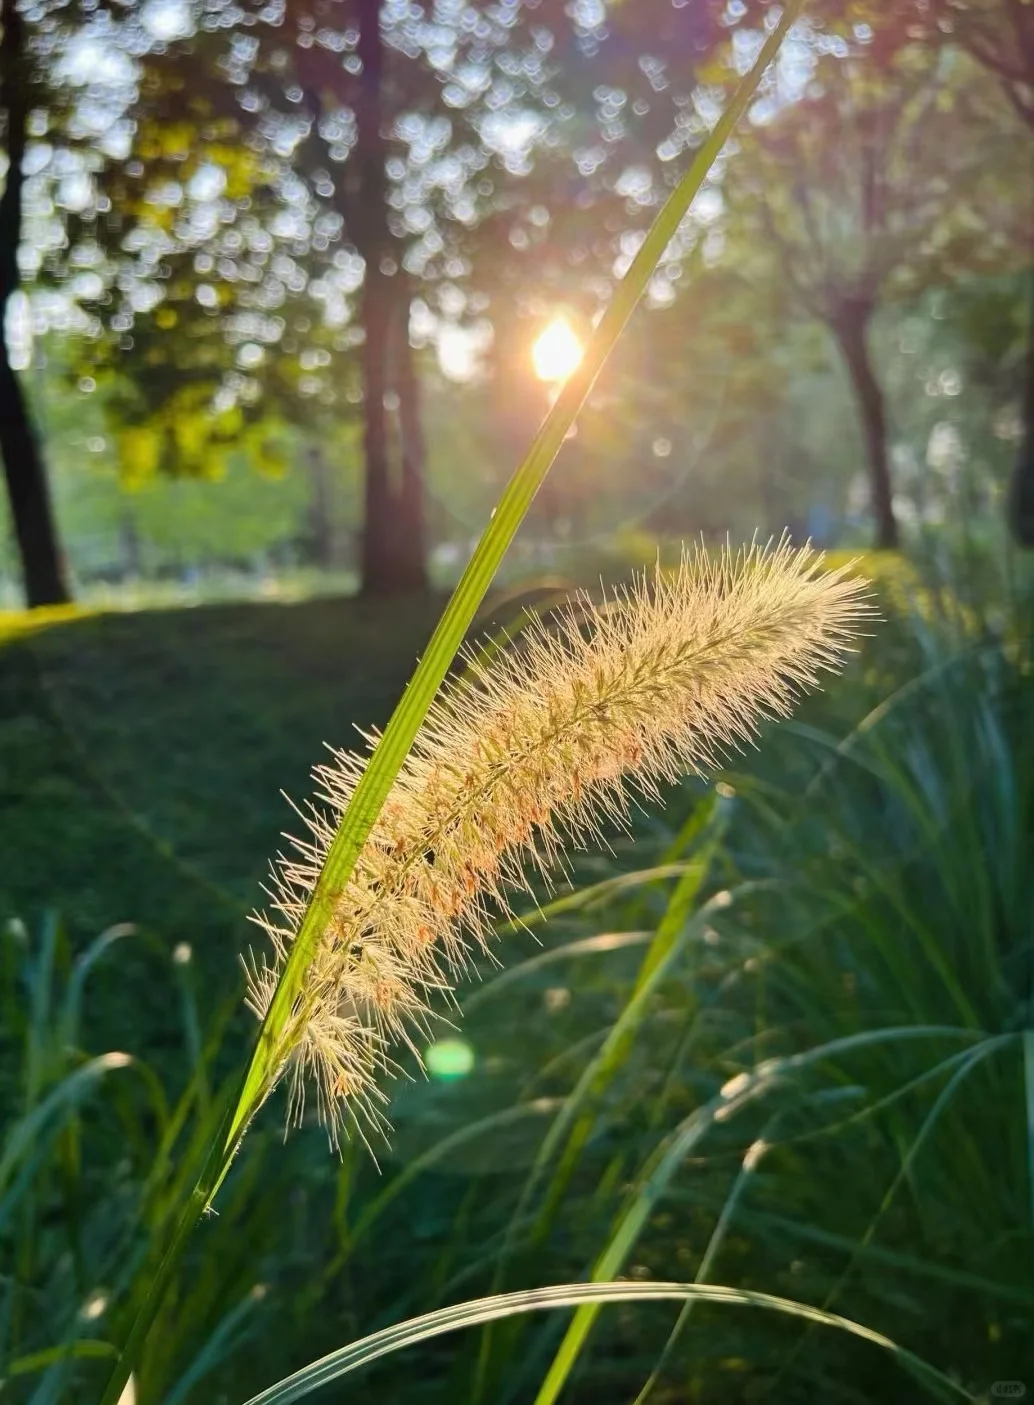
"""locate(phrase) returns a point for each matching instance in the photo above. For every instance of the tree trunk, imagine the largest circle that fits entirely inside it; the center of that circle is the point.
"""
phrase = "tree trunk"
(850, 327)
(321, 525)
(132, 556)
(24, 470)
(1021, 488)
(368, 203)
(409, 553)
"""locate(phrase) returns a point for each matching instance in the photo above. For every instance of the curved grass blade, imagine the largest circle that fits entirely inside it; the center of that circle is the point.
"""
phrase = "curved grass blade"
(796, 1230)
(593, 895)
(29, 1131)
(84, 1349)
(73, 1002)
(602, 943)
(575, 1295)
(974, 1058)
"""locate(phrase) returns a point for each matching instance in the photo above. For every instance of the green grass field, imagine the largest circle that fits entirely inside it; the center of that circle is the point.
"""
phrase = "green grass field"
(143, 755)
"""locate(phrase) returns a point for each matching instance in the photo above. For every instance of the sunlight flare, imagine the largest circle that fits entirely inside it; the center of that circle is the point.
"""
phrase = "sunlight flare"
(556, 352)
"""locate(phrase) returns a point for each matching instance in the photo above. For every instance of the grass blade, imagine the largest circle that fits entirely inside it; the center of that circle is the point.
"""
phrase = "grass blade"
(29, 1131)
(573, 1295)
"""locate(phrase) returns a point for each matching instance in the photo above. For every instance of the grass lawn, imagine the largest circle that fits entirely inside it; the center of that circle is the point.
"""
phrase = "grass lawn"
(142, 755)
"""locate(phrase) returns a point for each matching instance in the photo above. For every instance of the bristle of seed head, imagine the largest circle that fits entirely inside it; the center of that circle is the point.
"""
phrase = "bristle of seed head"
(535, 750)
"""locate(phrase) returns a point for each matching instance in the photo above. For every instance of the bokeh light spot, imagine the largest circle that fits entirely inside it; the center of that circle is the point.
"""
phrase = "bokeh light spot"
(449, 1058)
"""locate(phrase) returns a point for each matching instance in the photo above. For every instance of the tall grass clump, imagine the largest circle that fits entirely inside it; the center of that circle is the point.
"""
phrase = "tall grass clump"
(898, 891)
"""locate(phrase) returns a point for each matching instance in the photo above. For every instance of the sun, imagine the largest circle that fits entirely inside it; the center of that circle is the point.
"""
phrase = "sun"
(556, 352)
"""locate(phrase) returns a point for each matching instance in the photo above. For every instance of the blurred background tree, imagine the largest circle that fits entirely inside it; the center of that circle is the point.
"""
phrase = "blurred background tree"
(251, 253)
(998, 35)
(24, 54)
(878, 184)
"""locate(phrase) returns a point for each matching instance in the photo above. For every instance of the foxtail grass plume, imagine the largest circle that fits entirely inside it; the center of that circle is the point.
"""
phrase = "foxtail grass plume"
(538, 749)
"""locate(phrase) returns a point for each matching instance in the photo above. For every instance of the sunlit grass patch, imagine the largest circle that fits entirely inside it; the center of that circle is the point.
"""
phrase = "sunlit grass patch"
(18, 624)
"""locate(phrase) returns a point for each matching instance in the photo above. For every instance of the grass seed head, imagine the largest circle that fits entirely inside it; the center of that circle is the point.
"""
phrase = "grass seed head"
(535, 751)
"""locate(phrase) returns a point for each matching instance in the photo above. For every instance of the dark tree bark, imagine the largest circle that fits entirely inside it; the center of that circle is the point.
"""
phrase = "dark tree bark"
(850, 327)
(370, 231)
(131, 546)
(321, 525)
(409, 548)
(24, 471)
(392, 560)
(1010, 57)
(1021, 488)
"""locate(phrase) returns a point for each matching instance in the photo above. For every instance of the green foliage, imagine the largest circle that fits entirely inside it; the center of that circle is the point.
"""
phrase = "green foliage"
(847, 988)
(253, 503)
(130, 739)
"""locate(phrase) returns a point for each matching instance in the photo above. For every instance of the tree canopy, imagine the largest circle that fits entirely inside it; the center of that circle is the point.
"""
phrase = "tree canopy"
(251, 222)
